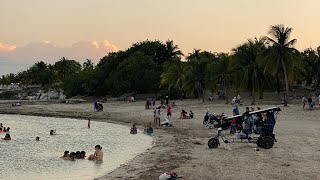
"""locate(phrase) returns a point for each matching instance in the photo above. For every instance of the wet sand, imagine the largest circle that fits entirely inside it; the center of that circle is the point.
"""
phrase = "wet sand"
(183, 149)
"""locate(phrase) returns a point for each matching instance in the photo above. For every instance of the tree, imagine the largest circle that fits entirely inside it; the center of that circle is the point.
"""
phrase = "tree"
(224, 71)
(65, 67)
(246, 62)
(172, 50)
(281, 54)
(174, 75)
(200, 76)
(88, 65)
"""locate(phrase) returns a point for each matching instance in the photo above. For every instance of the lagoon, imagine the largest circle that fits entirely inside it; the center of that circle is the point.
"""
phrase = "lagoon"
(25, 158)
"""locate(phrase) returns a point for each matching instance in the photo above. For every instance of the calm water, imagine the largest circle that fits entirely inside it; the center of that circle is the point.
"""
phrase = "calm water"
(25, 158)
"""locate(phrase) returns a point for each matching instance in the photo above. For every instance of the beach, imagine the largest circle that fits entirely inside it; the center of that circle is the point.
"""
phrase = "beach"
(183, 149)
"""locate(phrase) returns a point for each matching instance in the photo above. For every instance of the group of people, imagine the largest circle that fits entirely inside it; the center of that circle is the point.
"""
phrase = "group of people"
(151, 102)
(146, 130)
(73, 155)
(236, 100)
(5, 130)
(97, 156)
(184, 114)
(310, 101)
(251, 123)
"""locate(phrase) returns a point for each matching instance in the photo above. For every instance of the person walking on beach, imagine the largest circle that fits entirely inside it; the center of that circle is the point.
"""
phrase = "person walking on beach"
(304, 101)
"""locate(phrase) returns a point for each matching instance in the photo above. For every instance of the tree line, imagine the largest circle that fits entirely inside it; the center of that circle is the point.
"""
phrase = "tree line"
(266, 63)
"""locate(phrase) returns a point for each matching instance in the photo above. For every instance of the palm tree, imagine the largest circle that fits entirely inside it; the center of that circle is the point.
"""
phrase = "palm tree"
(224, 72)
(66, 67)
(88, 65)
(174, 75)
(280, 54)
(172, 50)
(200, 75)
(246, 61)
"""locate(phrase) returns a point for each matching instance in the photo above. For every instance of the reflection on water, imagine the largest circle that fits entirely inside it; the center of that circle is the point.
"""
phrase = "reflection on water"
(25, 158)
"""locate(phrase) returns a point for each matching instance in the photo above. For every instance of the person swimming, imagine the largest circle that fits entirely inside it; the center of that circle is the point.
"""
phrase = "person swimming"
(7, 137)
(52, 132)
(70, 157)
(78, 155)
(98, 154)
(66, 154)
(82, 154)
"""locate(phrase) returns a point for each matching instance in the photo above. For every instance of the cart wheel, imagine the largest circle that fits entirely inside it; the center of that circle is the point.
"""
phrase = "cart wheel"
(265, 142)
(213, 143)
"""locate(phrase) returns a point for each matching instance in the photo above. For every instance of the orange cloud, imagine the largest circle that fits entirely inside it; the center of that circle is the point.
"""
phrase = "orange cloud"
(7, 47)
(109, 47)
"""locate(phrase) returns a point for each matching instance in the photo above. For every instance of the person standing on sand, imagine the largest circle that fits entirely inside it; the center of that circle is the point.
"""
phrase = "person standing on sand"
(167, 100)
(319, 100)
(304, 100)
(169, 111)
(89, 123)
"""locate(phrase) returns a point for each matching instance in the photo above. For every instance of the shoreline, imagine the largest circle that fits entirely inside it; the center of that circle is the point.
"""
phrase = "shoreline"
(6, 109)
(183, 149)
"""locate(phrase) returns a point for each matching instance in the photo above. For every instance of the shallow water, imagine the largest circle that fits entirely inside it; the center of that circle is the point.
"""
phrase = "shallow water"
(25, 158)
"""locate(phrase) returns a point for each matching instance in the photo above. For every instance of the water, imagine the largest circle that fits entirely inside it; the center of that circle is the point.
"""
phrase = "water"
(25, 158)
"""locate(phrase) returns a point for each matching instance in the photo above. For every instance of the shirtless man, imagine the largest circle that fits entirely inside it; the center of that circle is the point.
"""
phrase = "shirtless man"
(98, 154)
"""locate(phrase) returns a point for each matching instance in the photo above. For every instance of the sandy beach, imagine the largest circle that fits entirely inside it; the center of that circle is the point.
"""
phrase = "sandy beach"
(183, 149)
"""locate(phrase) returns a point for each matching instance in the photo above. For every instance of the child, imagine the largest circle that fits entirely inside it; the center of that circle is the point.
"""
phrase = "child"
(65, 154)
(7, 137)
(133, 130)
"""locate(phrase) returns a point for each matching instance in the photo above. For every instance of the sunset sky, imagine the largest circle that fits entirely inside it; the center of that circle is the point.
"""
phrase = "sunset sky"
(34, 30)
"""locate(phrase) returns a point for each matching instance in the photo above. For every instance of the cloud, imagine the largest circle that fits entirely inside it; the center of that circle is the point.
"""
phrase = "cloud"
(49, 52)
(17, 58)
(7, 47)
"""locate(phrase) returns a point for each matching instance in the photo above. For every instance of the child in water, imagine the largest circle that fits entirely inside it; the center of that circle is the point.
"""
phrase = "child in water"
(66, 154)
(133, 130)
(7, 137)
(98, 154)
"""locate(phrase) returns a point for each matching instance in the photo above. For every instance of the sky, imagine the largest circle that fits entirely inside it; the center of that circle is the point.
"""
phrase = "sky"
(46, 30)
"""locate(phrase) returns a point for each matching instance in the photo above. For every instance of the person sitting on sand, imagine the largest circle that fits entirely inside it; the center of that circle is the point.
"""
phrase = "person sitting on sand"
(148, 129)
(52, 132)
(7, 137)
(183, 114)
(165, 122)
(98, 154)
(82, 154)
(37, 138)
(65, 154)
(7, 130)
(133, 130)
(191, 114)
(4, 129)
